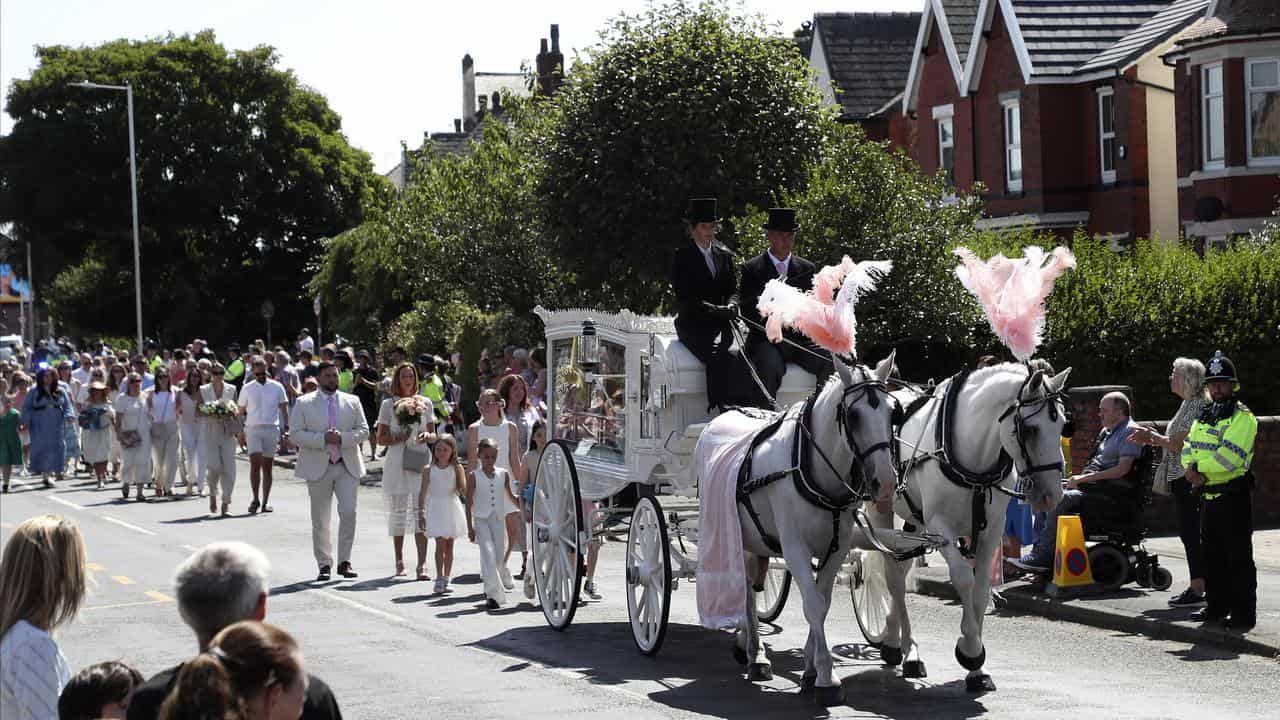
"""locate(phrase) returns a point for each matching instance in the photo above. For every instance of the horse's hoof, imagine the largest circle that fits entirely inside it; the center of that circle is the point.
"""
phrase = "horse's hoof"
(914, 669)
(979, 683)
(759, 672)
(891, 656)
(971, 663)
(740, 655)
(808, 681)
(830, 696)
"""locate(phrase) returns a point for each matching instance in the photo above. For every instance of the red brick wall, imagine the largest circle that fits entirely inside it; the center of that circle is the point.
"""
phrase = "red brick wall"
(938, 87)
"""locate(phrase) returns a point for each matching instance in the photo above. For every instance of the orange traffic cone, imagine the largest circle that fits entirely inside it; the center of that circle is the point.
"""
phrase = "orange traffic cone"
(1072, 576)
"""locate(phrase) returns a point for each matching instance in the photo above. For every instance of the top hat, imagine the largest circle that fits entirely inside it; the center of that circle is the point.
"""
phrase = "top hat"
(234, 347)
(426, 359)
(1220, 367)
(783, 219)
(701, 210)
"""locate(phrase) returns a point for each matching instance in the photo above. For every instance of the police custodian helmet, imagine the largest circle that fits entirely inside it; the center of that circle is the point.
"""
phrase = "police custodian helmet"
(1220, 367)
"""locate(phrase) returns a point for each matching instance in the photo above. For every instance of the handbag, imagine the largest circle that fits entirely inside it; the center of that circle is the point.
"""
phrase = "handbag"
(413, 460)
(130, 438)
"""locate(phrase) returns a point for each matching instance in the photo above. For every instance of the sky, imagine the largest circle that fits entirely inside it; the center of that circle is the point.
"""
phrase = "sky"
(391, 69)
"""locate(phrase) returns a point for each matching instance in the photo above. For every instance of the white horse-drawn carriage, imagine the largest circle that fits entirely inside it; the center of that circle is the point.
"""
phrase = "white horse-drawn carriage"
(628, 412)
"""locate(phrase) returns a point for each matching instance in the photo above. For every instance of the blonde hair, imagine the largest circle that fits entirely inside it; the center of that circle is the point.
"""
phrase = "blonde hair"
(395, 379)
(42, 572)
(490, 393)
(486, 443)
(1191, 372)
(459, 477)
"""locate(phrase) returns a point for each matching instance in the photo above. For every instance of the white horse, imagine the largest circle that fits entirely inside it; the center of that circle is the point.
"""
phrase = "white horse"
(850, 426)
(1000, 423)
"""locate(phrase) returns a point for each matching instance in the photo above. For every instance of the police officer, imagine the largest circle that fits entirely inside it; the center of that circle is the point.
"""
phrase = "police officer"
(235, 365)
(1217, 454)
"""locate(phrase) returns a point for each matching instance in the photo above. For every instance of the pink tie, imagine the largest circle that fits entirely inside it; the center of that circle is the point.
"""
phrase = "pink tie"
(782, 269)
(335, 452)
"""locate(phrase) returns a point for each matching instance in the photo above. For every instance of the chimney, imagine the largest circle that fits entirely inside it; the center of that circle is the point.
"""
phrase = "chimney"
(497, 100)
(550, 64)
(457, 125)
(468, 93)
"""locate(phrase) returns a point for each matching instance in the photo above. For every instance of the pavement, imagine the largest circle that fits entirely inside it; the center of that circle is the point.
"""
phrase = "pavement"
(1144, 611)
(391, 648)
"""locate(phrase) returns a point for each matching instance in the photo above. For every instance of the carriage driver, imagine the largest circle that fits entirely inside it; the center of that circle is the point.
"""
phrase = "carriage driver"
(1217, 455)
(704, 276)
(1111, 463)
(779, 262)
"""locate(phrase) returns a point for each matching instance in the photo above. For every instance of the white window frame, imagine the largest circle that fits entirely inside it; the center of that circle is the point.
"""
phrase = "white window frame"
(1012, 145)
(1249, 90)
(946, 114)
(1205, 130)
(1108, 176)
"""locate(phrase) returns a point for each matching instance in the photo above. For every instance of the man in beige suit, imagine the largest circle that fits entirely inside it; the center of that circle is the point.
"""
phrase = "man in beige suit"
(328, 427)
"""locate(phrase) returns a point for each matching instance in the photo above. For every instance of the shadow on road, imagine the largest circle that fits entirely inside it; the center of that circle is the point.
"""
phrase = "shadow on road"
(697, 673)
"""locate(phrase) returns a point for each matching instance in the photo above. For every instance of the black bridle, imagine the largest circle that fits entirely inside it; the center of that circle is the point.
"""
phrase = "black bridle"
(1050, 402)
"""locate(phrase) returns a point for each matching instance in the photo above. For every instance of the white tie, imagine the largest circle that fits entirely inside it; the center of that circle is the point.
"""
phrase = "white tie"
(711, 262)
(782, 269)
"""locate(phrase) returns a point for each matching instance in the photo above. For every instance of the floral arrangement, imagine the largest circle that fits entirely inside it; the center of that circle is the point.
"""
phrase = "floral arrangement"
(220, 409)
(410, 410)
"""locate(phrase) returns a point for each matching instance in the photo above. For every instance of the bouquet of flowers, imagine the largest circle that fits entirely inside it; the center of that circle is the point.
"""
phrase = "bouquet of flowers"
(410, 411)
(225, 411)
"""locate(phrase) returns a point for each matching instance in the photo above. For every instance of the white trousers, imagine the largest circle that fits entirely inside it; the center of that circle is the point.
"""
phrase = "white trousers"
(219, 459)
(193, 465)
(164, 457)
(491, 537)
(335, 481)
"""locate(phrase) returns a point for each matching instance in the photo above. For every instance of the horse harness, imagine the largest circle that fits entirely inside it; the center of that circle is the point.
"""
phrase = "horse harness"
(851, 491)
(982, 484)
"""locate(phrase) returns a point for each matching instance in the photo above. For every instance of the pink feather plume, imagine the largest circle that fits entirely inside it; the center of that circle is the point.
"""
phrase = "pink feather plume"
(1012, 292)
(825, 314)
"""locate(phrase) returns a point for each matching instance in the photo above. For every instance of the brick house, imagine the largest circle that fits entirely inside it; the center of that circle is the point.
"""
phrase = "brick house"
(1227, 80)
(861, 62)
(1062, 109)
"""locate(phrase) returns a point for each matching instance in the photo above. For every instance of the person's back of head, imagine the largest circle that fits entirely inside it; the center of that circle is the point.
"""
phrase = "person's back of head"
(42, 572)
(250, 670)
(220, 584)
(99, 691)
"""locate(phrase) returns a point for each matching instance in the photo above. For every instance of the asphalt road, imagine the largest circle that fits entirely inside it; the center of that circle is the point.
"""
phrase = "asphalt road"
(390, 649)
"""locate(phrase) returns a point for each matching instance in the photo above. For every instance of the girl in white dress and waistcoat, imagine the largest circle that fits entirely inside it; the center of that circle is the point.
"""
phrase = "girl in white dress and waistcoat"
(505, 436)
(402, 488)
(445, 518)
(488, 496)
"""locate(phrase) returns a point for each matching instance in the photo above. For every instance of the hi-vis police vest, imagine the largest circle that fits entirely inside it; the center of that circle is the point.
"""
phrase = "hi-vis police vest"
(1221, 450)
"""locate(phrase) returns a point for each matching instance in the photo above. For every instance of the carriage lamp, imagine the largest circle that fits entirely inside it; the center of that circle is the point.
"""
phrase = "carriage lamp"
(588, 347)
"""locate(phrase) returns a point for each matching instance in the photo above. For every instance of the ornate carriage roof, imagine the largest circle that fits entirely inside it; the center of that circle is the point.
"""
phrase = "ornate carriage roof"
(625, 321)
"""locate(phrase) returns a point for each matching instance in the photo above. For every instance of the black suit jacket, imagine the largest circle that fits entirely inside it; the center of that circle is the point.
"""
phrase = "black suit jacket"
(758, 271)
(694, 285)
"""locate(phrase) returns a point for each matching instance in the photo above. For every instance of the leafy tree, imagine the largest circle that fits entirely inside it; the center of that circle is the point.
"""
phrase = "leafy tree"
(242, 170)
(682, 100)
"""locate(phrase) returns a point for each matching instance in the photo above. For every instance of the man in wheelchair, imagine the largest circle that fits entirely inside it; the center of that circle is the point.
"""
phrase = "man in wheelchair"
(1109, 471)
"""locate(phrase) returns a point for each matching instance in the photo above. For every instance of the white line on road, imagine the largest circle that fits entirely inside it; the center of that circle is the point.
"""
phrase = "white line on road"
(371, 610)
(68, 503)
(124, 524)
(192, 548)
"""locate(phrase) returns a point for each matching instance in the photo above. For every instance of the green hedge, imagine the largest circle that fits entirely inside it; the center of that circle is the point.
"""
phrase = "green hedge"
(1123, 317)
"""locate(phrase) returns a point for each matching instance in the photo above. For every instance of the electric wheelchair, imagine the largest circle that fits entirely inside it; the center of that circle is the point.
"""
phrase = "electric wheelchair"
(1114, 529)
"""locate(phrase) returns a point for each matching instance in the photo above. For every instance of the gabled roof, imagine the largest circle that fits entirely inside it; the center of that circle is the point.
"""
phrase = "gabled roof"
(868, 56)
(1226, 18)
(1069, 40)
(954, 22)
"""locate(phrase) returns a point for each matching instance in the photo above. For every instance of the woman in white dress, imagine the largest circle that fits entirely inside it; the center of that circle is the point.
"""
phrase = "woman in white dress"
(95, 441)
(116, 382)
(188, 400)
(163, 411)
(218, 441)
(493, 426)
(445, 517)
(402, 487)
(133, 428)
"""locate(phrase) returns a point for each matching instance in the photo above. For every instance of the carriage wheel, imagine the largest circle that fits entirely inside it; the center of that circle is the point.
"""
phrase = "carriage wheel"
(869, 591)
(648, 575)
(771, 600)
(557, 521)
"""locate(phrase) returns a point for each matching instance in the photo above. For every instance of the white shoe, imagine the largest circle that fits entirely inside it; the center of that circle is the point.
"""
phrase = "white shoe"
(505, 575)
(590, 589)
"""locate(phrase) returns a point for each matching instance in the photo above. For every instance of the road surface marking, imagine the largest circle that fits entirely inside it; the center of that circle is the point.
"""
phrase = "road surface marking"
(192, 548)
(131, 526)
(95, 567)
(122, 579)
(158, 596)
(124, 605)
(68, 503)
(371, 610)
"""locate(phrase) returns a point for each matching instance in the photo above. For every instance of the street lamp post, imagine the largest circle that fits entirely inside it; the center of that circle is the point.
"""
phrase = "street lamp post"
(133, 173)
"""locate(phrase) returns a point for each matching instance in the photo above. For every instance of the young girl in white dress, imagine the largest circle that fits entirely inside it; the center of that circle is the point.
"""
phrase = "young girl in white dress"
(445, 518)
(488, 495)
(503, 434)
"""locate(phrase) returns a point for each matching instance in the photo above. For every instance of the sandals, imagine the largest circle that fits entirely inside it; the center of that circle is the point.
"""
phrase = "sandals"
(422, 573)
